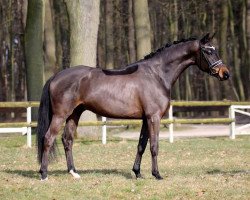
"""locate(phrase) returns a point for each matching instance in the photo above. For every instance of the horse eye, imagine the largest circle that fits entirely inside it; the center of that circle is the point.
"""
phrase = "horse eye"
(209, 52)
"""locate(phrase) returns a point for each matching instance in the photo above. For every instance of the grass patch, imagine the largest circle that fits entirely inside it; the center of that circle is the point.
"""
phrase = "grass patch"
(217, 168)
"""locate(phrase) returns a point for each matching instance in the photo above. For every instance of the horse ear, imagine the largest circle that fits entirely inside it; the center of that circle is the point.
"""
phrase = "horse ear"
(212, 36)
(205, 39)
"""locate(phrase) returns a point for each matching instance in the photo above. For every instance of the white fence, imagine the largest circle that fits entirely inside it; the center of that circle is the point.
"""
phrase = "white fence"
(238, 109)
(25, 128)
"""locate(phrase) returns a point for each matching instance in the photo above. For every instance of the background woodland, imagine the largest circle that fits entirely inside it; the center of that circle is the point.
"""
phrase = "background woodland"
(41, 37)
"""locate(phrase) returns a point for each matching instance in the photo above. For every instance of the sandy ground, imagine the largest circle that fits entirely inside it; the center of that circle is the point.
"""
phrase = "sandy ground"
(190, 131)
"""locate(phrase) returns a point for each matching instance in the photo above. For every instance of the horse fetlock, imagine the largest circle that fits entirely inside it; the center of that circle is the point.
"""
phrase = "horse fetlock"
(137, 173)
(136, 170)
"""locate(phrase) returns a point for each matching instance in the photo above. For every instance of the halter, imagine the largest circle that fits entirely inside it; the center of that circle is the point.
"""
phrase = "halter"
(211, 66)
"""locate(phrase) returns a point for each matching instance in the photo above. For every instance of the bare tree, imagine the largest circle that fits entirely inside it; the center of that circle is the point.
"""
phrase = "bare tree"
(84, 22)
(142, 28)
(109, 34)
(49, 41)
(34, 49)
(248, 44)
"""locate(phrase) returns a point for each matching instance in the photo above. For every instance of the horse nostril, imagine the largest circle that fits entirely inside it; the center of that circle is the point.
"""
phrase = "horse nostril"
(226, 75)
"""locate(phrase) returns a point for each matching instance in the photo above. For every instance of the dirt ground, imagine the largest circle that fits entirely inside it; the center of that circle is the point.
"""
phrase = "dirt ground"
(185, 131)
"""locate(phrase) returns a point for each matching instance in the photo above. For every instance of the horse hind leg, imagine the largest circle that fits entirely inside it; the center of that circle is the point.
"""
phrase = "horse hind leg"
(144, 135)
(48, 143)
(68, 138)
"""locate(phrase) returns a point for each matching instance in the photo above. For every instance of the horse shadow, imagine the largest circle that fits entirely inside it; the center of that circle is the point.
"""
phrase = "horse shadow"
(35, 174)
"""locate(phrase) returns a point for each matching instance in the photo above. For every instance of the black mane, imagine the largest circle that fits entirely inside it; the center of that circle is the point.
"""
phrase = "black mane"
(152, 54)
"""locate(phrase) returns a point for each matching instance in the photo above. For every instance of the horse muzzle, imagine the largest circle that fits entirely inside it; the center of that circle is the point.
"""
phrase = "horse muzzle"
(226, 76)
(223, 73)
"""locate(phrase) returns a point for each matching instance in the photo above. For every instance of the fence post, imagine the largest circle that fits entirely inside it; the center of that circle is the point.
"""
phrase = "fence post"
(171, 125)
(104, 131)
(232, 125)
(28, 128)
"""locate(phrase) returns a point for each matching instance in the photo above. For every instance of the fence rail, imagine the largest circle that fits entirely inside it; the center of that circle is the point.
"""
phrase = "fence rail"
(173, 103)
(13, 126)
(127, 122)
(207, 103)
(19, 104)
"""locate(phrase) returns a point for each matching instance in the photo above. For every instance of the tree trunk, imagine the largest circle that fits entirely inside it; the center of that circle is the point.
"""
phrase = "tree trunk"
(61, 24)
(223, 43)
(34, 50)
(6, 68)
(119, 36)
(109, 8)
(101, 44)
(213, 91)
(142, 28)
(18, 72)
(173, 22)
(5, 58)
(131, 33)
(49, 41)
(236, 62)
(243, 53)
(84, 22)
(248, 45)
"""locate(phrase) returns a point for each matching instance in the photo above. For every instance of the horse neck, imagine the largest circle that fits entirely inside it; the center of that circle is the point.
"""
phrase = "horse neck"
(176, 59)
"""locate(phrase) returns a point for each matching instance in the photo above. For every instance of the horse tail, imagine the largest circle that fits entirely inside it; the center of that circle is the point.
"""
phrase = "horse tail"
(44, 119)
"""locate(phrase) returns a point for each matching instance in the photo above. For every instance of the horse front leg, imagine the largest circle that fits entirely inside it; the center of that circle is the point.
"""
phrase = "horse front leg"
(154, 128)
(141, 148)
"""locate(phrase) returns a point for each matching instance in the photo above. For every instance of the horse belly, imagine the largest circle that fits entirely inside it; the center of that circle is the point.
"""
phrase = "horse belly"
(121, 115)
(115, 106)
(113, 96)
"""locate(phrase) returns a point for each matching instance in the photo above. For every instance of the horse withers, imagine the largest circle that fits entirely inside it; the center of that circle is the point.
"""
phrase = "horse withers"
(139, 91)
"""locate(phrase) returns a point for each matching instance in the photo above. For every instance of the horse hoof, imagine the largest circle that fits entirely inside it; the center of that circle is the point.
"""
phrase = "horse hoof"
(74, 174)
(139, 176)
(44, 179)
(157, 176)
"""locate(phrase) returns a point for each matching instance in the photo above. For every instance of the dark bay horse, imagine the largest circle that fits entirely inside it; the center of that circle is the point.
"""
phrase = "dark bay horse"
(139, 91)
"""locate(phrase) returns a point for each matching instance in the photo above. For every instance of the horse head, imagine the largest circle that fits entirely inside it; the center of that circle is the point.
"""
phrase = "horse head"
(208, 59)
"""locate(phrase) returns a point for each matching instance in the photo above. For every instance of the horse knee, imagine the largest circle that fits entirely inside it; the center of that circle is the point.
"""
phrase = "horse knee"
(140, 149)
(154, 150)
(154, 119)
